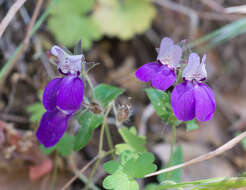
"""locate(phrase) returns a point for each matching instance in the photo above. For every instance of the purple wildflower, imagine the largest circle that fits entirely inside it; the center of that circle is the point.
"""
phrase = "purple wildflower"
(162, 72)
(193, 99)
(62, 98)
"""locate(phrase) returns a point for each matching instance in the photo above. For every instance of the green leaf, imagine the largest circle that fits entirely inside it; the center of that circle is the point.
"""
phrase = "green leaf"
(161, 102)
(36, 110)
(111, 166)
(119, 181)
(191, 125)
(174, 175)
(47, 151)
(133, 142)
(69, 28)
(125, 18)
(138, 168)
(73, 6)
(222, 34)
(88, 122)
(105, 93)
(65, 145)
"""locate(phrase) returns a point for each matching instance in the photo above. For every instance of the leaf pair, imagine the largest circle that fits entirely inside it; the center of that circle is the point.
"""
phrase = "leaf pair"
(123, 173)
(134, 162)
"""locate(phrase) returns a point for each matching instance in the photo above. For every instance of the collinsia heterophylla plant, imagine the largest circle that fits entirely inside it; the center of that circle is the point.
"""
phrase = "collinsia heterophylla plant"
(62, 97)
(189, 99)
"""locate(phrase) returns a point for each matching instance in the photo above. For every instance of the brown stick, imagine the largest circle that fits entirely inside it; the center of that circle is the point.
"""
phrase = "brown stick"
(26, 40)
(10, 15)
(227, 146)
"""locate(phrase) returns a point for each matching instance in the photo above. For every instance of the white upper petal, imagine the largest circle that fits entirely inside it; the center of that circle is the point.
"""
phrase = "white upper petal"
(169, 53)
(195, 70)
(67, 63)
(165, 48)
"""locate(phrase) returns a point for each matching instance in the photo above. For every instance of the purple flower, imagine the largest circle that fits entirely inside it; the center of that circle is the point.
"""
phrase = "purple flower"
(193, 99)
(62, 97)
(162, 72)
(52, 127)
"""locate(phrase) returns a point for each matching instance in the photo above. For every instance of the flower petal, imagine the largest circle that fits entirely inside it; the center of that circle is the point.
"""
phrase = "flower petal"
(146, 72)
(52, 127)
(205, 102)
(183, 101)
(165, 48)
(176, 55)
(195, 70)
(57, 51)
(70, 94)
(164, 78)
(50, 94)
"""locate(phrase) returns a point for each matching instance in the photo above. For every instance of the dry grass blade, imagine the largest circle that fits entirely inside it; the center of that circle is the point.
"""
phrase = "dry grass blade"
(237, 9)
(26, 40)
(227, 146)
(10, 15)
(194, 19)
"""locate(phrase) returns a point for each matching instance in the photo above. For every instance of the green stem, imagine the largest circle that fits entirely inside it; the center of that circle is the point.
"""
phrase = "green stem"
(90, 85)
(173, 142)
(172, 149)
(109, 140)
(100, 147)
(54, 176)
(84, 179)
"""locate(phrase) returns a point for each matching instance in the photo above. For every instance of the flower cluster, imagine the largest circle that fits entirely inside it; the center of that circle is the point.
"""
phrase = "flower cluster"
(62, 97)
(189, 99)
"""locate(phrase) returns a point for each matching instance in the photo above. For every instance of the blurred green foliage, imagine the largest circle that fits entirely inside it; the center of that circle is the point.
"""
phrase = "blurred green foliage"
(90, 20)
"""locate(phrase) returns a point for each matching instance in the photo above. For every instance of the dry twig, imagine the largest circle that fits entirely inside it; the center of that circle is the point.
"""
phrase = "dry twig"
(10, 15)
(227, 146)
(194, 19)
(26, 40)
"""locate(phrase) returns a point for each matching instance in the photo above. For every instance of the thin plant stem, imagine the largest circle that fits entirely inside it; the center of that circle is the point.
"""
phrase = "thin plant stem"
(109, 140)
(104, 154)
(100, 147)
(54, 176)
(173, 142)
(172, 149)
(90, 85)
(117, 123)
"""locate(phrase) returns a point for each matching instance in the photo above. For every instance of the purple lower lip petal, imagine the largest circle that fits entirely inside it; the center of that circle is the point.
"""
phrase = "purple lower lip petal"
(205, 102)
(164, 79)
(146, 72)
(183, 101)
(52, 127)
